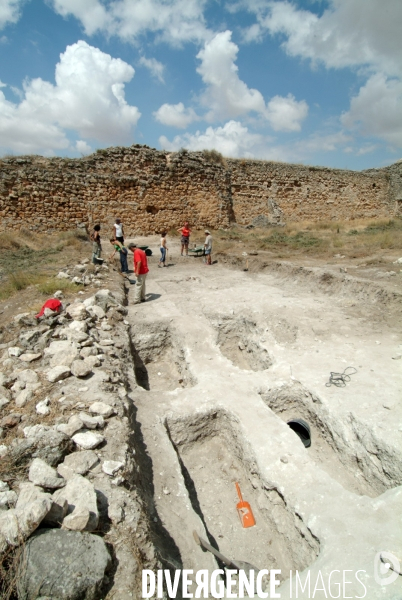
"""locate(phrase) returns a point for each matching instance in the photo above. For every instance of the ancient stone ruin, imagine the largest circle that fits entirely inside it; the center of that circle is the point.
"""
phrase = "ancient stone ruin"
(157, 190)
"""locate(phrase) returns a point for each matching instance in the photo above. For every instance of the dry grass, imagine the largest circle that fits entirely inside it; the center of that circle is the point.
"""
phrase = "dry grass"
(355, 239)
(9, 564)
(30, 259)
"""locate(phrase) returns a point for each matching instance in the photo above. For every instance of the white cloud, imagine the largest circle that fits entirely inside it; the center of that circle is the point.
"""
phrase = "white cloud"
(348, 33)
(10, 11)
(88, 98)
(174, 21)
(377, 110)
(233, 139)
(175, 115)
(154, 66)
(83, 147)
(92, 14)
(286, 114)
(227, 96)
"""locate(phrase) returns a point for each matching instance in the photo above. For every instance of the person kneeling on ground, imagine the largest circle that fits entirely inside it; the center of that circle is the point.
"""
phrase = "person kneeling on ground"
(140, 270)
(208, 248)
(122, 250)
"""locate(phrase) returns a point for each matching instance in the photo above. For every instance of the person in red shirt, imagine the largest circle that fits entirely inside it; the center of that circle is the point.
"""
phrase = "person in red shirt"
(140, 270)
(185, 237)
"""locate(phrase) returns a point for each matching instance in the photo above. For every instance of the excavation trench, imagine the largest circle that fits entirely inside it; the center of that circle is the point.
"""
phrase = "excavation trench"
(343, 447)
(213, 456)
(159, 362)
(241, 341)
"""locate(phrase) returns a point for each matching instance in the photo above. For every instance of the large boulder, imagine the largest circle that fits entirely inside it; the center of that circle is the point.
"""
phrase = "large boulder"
(62, 565)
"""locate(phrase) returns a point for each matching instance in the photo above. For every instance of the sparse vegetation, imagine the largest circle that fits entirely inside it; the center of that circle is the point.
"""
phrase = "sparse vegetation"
(215, 157)
(356, 238)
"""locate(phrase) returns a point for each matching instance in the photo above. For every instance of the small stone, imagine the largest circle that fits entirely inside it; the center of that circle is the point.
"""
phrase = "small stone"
(78, 326)
(3, 450)
(62, 275)
(7, 499)
(92, 422)
(97, 311)
(28, 376)
(3, 401)
(40, 473)
(284, 459)
(80, 493)
(74, 424)
(23, 397)
(105, 326)
(10, 420)
(80, 368)
(77, 311)
(88, 440)
(93, 361)
(78, 520)
(111, 467)
(101, 408)
(106, 342)
(58, 373)
(42, 408)
(65, 358)
(79, 462)
(15, 351)
(30, 357)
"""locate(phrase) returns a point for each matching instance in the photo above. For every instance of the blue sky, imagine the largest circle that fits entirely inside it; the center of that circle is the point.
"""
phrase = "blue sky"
(312, 81)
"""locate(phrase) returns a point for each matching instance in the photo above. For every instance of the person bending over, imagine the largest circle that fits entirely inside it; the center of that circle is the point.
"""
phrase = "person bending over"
(122, 250)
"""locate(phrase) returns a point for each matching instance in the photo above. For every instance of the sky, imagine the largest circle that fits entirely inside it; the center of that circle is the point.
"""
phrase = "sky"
(315, 82)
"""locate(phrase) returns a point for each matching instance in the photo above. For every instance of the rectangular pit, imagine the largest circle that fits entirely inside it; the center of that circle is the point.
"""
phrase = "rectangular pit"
(240, 340)
(213, 457)
(159, 363)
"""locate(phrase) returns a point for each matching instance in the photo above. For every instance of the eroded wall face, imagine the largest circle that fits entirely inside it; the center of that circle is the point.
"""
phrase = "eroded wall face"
(153, 190)
(284, 193)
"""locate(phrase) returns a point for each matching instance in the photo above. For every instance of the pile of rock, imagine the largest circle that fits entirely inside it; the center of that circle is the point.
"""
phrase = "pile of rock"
(64, 419)
(84, 273)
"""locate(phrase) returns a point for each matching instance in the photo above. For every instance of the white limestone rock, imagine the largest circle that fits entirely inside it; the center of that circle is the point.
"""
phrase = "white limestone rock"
(58, 373)
(77, 311)
(30, 356)
(80, 494)
(91, 422)
(23, 397)
(77, 463)
(88, 440)
(27, 376)
(7, 499)
(43, 408)
(96, 311)
(15, 351)
(101, 408)
(80, 368)
(40, 473)
(74, 424)
(111, 467)
(78, 520)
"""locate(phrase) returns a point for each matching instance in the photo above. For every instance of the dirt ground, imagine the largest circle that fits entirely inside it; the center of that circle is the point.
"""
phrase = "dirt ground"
(224, 356)
(258, 347)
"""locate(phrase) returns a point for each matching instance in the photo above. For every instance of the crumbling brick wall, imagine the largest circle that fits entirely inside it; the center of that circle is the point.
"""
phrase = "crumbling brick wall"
(153, 190)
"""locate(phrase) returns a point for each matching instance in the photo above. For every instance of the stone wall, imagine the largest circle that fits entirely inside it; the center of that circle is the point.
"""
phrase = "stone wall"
(153, 190)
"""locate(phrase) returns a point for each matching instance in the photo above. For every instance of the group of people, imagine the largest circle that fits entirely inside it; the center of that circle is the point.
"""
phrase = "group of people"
(140, 257)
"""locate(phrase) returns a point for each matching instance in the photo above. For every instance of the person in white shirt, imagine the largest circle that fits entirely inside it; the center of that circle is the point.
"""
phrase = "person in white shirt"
(118, 233)
(163, 248)
(208, 248)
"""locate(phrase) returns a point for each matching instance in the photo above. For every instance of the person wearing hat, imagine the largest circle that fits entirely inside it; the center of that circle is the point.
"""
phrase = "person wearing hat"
(208, 247)
(140, 270)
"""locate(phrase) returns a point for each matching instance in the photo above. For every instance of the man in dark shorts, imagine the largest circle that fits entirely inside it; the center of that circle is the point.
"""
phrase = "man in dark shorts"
(185, 238)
